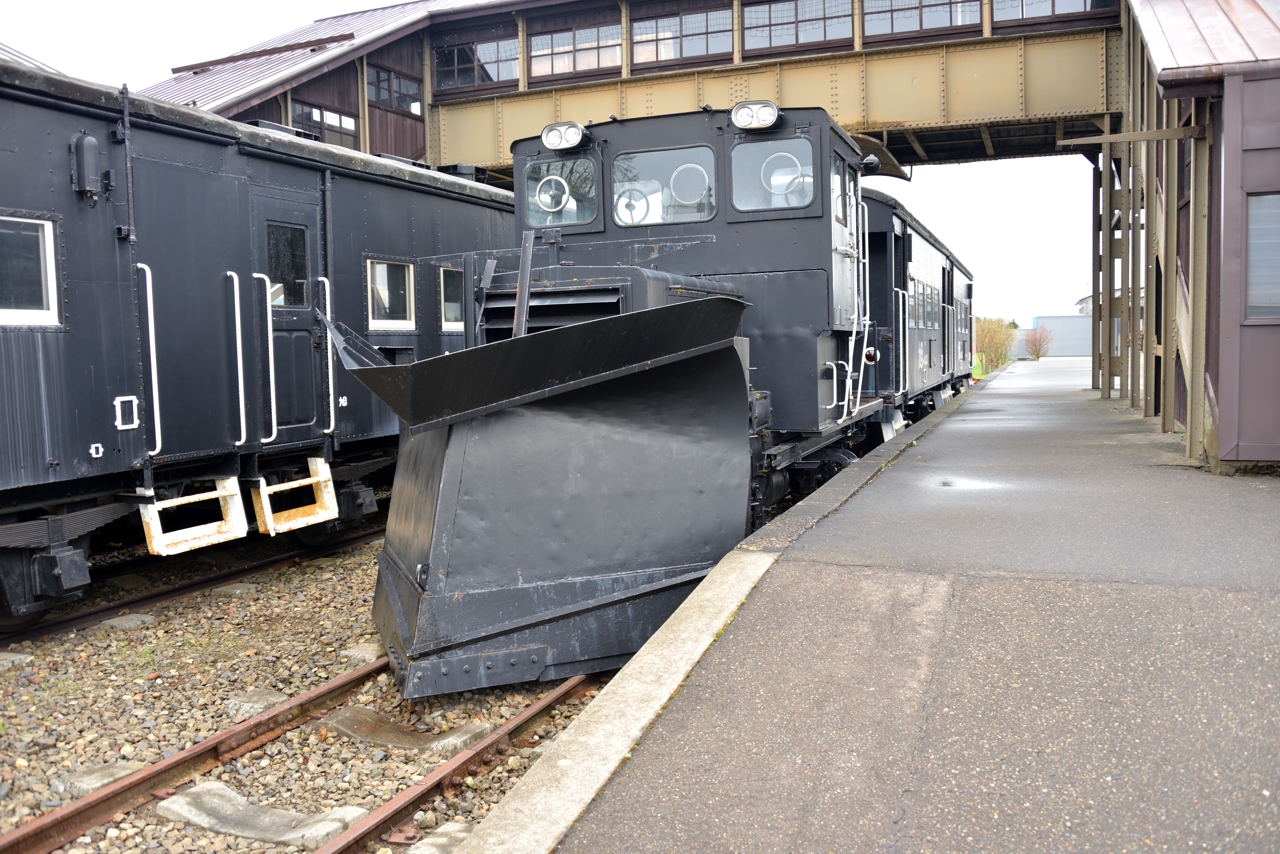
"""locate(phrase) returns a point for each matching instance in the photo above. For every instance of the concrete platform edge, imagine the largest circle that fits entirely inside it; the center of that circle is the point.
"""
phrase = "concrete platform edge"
(537, 813)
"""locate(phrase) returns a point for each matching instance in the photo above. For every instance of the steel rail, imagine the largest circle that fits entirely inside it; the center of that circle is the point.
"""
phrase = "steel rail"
(92, 616)
(475, 760)
(55, 829)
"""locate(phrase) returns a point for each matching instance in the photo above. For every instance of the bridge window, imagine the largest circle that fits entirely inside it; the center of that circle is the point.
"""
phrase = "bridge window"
(1262, 273)
(28, 282)
(776, 25)
(584, 49)
(390, 295)
(1012, 10)
(884, 17)
(773, 174)
(560, 192)
(682, 36)
(478, 64)
(331, 126)
(656, 187)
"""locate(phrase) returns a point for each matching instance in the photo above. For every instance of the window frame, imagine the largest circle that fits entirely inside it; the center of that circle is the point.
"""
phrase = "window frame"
(51, 317)
(816, 205)
(322, 126)
(796, 46)
(575, 71)
(587, 226)
(1245, 319)
(713, 175)
(392, 78)
(682, 60)
(392, 326)
(476, 64)
(921, 30)
(453, 327)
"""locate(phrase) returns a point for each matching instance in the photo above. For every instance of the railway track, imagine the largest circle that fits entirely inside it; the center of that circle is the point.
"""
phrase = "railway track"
(392, 822)
(96, 614)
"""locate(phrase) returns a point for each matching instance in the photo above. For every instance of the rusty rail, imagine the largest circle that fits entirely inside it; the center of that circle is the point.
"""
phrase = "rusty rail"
(55, 829)
(476, 760)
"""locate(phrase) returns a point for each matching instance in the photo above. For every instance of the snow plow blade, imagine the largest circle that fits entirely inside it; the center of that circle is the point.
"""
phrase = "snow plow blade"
(557, 495)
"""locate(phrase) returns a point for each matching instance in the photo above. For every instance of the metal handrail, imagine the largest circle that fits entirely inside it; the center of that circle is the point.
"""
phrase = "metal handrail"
(271, 360)
(244, 427)
(155, 371)
(835, 392)
(328, 313)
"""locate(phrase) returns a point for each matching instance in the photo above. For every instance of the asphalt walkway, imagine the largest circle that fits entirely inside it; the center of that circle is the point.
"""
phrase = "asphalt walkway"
(1038, 630)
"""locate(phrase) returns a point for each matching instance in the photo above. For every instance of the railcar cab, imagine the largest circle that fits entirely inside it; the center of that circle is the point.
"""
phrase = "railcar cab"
(754, 201)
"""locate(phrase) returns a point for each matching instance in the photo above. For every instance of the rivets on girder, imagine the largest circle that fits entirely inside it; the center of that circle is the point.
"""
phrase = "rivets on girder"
(466, 668)
(444, 671)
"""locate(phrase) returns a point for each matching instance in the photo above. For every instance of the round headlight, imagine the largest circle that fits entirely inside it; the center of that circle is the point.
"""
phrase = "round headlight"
(744, 115)
(572, 135)
(766, 114)
(553, 137)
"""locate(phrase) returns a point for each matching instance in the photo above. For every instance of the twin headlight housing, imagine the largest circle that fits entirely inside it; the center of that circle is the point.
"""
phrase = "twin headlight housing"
(563, 136)
(754, 115)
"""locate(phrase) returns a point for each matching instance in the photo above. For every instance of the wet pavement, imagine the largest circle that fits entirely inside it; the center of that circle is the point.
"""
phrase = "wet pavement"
(1039, 630)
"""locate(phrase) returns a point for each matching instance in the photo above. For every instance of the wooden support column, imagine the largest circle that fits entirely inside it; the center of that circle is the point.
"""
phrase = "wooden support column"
(1198, 280)
(1096, 278)
(522, 35)
(1121, 307)
(1169, 269)
(1107, 279)
(285, 100)
(362, 75)
(857, 24)
(427, 91)
(625, 6)
(737, 32)
(1151, 150)
(986, 19)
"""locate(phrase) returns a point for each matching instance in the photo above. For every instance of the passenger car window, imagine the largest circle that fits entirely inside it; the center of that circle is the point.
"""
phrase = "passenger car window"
(560, 192)
(451, 291)
(28, 280)
(656, 187)
(287, 264)
(390, 295)
(772, 174)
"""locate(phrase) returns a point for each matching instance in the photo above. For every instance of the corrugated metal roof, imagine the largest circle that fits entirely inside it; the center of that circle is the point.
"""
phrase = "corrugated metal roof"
(1195, 41)
(231, 84)
(21, 58)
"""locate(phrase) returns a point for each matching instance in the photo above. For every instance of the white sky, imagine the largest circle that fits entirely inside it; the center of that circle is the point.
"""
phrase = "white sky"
(1020, 226)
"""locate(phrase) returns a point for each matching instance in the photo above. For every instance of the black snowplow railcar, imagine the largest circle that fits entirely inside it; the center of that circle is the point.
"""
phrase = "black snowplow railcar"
(160, 270)
(684, 338)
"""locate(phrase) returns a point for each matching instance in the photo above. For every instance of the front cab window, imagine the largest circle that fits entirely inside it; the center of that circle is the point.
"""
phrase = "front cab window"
(772, 174)
(561, 192)
(658, 187)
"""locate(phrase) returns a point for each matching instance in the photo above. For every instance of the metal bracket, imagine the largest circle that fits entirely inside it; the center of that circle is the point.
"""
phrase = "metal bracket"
(120, 422)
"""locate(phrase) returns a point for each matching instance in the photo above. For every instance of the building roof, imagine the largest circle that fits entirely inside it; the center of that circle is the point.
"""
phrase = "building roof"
(1195, 42)
(21, 58)
(230, 85)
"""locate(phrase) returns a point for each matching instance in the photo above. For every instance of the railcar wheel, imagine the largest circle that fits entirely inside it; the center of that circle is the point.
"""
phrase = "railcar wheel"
(316, 536)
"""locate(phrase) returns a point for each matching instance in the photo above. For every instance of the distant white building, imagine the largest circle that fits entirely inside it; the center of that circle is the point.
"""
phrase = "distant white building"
(1085, 305)
(1071, 335)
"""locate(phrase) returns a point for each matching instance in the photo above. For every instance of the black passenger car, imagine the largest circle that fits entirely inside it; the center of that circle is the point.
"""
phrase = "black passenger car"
(161, 270)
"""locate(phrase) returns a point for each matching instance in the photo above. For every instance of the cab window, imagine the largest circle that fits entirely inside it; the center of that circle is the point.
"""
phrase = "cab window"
(560, 192)
(28, 281)
(657, 187)
(772, 174)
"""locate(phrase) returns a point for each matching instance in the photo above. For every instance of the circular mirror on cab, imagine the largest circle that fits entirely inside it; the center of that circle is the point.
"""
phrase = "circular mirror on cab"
(781, 173)
(689, 184)
(552, 194)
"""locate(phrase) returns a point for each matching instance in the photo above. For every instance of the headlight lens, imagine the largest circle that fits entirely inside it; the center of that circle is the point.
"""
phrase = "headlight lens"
(766, 114)
(744, 115)
(572, 135)
(553, 137)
